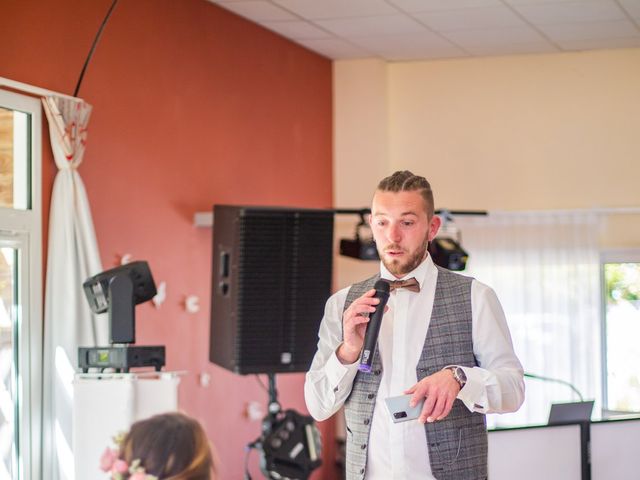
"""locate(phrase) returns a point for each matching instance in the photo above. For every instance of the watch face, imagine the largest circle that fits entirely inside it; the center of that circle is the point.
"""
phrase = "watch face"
(460, 376)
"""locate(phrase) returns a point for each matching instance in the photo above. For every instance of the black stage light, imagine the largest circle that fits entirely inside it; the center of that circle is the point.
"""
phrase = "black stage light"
(117, 291)
(290, 447)
(362, 246)
(448, 253)
(358, 248)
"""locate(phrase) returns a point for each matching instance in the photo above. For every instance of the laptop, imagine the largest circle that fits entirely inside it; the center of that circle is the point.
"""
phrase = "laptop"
(574, 412)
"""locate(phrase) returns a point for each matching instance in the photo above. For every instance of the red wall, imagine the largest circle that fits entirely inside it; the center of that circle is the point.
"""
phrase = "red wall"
(192, 106)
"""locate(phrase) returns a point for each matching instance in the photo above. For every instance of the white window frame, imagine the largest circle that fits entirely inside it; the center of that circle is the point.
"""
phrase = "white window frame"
(617, 255)
(22, 229)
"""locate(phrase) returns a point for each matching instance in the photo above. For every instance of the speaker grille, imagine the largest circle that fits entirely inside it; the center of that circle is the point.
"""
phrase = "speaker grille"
(280, 279)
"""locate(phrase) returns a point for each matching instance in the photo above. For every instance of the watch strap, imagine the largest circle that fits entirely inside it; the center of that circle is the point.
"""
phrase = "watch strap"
(458, 375)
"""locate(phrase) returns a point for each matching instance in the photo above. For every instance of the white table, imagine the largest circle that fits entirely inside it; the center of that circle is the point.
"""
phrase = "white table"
(105, 404)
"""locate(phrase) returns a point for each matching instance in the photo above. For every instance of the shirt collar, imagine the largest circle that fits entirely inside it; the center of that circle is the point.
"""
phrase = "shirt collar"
(421, 272)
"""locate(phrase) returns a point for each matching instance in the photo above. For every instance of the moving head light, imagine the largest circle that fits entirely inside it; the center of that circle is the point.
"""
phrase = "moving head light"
(448, 253)
(362, 247)
(290, 446)
(444, 250)
(117, 291)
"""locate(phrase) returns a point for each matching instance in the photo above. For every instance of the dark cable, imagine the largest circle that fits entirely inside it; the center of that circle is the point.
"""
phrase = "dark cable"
(556, 380)
(264, 387)
(247, 451)
(93, 47)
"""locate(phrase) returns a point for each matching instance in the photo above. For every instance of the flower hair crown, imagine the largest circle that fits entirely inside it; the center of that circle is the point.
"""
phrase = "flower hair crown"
(118, 468)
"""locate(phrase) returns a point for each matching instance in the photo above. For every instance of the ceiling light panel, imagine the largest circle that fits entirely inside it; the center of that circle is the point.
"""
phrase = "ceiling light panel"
(512, 49)
(550, 13)
(412, 6)
(335, 48)
(470, 18)
(410, 47)
(258, 11)
(495, 37)
(369, 26)
(297, 30)
(591, 31)
(317, 9)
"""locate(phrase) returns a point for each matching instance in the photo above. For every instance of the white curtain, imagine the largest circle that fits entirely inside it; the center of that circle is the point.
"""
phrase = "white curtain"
(545, 269)
(72, 257)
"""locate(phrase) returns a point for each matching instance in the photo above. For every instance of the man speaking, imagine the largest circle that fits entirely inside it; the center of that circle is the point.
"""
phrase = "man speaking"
(443, 339)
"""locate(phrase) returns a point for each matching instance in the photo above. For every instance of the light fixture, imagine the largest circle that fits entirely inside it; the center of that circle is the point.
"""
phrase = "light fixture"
(446, 249)
(290, 447)
(448, 253)
(117, 291)
(362, 246)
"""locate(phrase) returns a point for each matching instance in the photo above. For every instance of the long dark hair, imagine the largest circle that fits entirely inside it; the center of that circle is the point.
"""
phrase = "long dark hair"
(171, 446)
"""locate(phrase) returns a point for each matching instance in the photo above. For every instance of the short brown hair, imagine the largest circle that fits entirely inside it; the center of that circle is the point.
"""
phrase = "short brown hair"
(171, 446)
(406, 181)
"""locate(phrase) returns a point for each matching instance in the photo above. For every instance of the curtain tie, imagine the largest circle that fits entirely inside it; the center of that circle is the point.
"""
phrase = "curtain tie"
(411, 284)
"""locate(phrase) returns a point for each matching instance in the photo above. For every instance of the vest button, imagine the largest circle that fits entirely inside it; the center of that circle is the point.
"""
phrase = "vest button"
(370, 396)
(377, 372)
(366, 421)
(362, 470)
(363, 446)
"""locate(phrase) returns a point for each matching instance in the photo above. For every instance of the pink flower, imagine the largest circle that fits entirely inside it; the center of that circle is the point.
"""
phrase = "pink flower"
(107, 459)
(138, 476)
(120, 466)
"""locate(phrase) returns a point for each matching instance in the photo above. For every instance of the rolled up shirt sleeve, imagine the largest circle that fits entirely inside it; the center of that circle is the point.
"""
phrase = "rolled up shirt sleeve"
(496, 385)
(328, 382)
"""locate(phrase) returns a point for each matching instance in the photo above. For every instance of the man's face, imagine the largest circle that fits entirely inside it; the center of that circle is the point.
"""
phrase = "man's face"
(401, 229)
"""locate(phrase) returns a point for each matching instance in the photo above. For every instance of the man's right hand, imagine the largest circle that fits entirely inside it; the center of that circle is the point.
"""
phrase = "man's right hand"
(354, 323)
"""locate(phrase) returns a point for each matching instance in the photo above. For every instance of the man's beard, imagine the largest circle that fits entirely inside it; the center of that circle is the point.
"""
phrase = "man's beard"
(399, 268)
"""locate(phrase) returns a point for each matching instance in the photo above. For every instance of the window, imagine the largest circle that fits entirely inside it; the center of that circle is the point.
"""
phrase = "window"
(621, 289)
(20, 287)
(14, 159)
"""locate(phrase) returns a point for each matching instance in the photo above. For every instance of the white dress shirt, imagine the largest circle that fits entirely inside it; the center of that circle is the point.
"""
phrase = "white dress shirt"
(399, 450)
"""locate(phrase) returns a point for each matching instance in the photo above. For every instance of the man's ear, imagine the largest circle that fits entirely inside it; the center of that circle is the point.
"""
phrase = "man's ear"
(434, 226)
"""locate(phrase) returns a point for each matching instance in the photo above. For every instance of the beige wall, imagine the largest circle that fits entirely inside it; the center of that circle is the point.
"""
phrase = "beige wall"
(527, 132)
(360, 97)
(360, 150)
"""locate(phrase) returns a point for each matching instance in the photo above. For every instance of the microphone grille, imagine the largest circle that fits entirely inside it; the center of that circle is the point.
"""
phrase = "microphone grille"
(382, 286)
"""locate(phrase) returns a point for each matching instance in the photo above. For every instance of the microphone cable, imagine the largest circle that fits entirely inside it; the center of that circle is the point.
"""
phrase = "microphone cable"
(556, 380)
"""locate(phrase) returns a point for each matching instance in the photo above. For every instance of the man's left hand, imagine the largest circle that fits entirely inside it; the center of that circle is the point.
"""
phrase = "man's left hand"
(438, 391)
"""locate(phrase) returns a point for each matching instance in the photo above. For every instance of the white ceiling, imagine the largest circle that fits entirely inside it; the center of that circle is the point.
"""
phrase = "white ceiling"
(396, 30)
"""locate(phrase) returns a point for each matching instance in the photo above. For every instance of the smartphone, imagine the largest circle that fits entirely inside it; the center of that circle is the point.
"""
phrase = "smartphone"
(400, 410)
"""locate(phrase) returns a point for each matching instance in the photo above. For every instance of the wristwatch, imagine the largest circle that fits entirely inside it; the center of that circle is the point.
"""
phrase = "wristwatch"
(458, 375)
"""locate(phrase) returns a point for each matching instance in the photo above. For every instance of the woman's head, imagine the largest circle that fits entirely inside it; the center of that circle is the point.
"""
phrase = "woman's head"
(170, 446)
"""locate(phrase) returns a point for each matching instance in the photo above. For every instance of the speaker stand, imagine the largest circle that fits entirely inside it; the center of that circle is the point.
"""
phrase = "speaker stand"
(273, 406)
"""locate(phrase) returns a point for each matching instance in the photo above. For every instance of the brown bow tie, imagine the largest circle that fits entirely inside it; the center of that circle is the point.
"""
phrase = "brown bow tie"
(412, 285)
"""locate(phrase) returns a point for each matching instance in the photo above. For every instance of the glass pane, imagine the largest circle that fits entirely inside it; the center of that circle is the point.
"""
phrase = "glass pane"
(14, 159)
(8, 395)
(622, 281)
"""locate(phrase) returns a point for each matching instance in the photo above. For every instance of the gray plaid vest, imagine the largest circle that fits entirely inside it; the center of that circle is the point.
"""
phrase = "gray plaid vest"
(458, 444)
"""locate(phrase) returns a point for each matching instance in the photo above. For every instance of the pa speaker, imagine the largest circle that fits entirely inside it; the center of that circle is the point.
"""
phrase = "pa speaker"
(271, 278)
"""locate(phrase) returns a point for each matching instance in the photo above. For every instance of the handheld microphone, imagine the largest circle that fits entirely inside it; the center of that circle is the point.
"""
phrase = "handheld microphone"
(373, 328)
